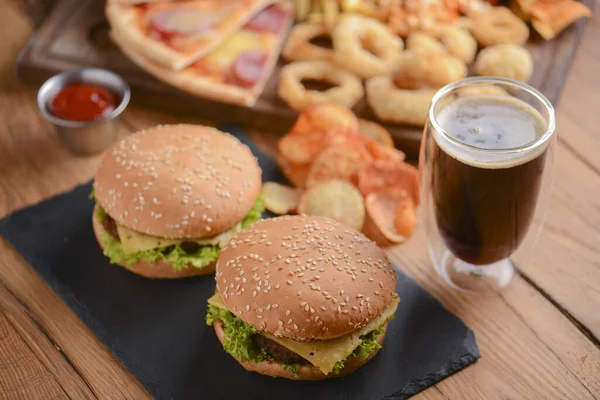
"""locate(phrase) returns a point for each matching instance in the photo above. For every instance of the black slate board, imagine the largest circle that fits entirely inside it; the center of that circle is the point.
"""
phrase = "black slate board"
(157, 330)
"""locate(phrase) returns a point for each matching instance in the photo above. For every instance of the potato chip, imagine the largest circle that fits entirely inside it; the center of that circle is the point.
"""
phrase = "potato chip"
(405, 218)
(383, 174)
(375, 132)
(383, 153)
(344, 137)
(342, 161)
(381, 207)
(301, 147)
(280, 199)
(295, 173)
(321, 117)
(335, 199)
(304, 142)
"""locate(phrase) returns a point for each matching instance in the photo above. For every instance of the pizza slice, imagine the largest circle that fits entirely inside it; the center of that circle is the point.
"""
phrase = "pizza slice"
(238, 69)
(175, 34)
(132, 2)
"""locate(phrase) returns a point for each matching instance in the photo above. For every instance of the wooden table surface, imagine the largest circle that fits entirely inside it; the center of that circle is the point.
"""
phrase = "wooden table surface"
(539, 338)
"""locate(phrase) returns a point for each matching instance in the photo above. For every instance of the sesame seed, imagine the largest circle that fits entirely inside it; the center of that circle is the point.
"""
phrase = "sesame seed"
(323, 308)
(289, 282)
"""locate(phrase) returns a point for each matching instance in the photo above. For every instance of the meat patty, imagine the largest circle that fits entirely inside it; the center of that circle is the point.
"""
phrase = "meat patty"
(277, 351)
(110, 226)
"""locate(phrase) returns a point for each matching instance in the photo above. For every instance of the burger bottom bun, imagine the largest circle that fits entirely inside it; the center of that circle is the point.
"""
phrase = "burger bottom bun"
(307, 372)
(160, 269)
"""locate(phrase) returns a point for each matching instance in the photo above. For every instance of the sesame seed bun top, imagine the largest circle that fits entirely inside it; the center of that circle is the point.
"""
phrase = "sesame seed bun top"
(304, 277)
(178, 181)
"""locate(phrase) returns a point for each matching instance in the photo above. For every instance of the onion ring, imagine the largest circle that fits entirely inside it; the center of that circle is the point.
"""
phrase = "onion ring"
(353, 34)
(421, 70)
(348, 91)
(421, 42)
(506, 60)
(458, 42)
(398, 105)
(498, 25)
(298, 46)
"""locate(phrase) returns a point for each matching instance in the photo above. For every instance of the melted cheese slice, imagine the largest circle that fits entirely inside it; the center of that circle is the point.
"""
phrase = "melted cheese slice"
(188, 21)
(324, 354)
(240, 42)
(133, 241)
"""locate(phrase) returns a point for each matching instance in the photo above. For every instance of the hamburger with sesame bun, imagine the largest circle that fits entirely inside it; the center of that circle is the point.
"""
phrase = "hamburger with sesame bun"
(302, 297)
(169, 198)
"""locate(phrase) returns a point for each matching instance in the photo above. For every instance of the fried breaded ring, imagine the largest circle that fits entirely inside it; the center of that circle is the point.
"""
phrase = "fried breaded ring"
(348, 91)
(298, 46)
(507, 60)
(398, 105)
(458, 42)
(353, 34)
(421, 42)
(420, 70)
(498, 25)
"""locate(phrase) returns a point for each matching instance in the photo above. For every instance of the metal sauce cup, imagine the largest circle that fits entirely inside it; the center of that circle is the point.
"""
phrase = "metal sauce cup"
(85, 137)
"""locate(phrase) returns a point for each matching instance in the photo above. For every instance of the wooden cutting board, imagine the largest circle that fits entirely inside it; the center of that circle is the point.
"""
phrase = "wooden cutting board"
(75, 35)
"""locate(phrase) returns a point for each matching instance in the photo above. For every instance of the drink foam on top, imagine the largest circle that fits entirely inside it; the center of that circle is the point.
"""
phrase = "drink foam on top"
(489, 125)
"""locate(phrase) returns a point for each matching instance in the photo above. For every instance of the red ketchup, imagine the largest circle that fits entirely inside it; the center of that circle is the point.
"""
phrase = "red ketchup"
(82, 102)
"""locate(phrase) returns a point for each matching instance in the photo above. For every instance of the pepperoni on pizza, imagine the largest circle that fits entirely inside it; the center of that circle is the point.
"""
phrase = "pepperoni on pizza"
(174, 33)
(238, 69)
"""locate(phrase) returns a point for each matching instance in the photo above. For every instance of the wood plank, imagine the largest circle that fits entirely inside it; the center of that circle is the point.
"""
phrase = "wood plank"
(577, 117)
(432, 393)
(566, 262)
(106, 377)
(528, 348)
(40, 344)
(22, 375)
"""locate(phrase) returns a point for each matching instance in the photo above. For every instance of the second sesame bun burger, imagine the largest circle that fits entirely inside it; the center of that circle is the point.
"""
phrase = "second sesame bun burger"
(302, 297)
(169, 198)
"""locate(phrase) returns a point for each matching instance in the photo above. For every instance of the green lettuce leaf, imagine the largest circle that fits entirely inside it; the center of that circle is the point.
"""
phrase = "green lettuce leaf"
(239, 340)
(238, 335)
(255, 212)
(366, 347)
(100, 214)
(176, 255)
(292, 368)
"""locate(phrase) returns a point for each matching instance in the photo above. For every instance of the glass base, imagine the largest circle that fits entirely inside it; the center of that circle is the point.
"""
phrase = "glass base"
(474, 278)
